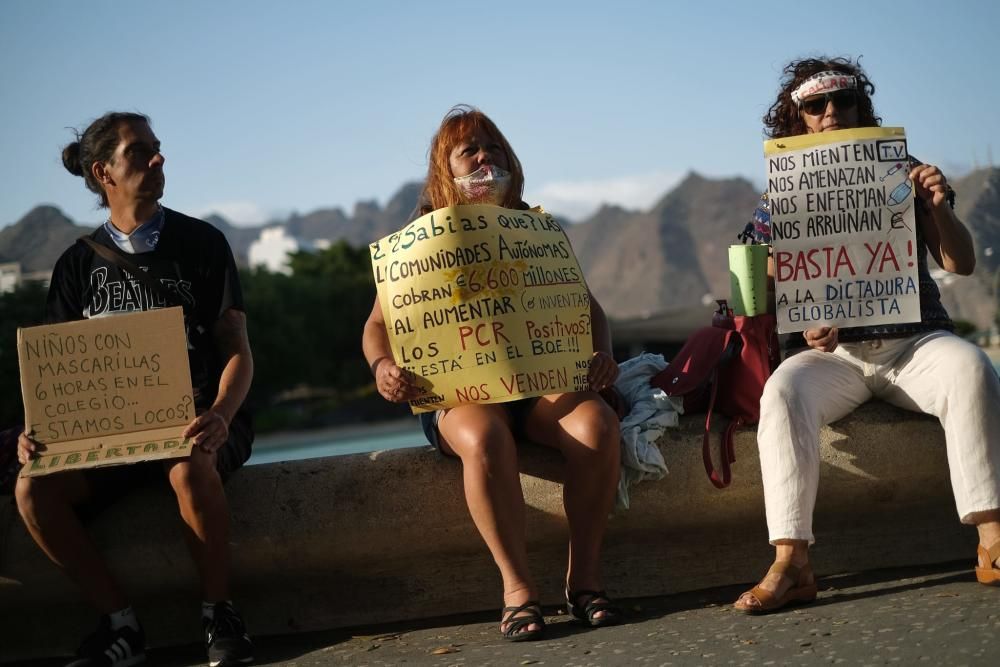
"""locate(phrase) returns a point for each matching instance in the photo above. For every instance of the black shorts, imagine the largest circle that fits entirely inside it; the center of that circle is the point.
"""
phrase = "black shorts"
(111, 483)
(516, 410)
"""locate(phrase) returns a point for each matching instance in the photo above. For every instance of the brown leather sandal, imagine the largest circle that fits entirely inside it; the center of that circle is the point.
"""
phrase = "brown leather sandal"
(803, 589)
(988, 575)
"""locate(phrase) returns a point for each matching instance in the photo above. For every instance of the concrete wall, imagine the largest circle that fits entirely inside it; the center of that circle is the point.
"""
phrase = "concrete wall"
(382, 537)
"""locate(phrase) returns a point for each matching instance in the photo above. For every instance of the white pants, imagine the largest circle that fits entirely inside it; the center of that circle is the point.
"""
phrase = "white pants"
(937, 373)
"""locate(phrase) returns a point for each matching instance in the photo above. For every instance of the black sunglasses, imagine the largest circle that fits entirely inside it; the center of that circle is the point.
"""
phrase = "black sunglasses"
(842, 99)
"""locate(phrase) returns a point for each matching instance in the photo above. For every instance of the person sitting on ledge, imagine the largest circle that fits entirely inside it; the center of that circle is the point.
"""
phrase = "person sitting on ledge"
(120, 160)
(920, 366)
(580, 425)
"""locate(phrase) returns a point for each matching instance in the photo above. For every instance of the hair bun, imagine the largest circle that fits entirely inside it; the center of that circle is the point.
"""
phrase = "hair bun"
(71, 159)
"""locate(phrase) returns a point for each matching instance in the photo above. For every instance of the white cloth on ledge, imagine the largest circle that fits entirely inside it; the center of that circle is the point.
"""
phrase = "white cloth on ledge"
(651, 412)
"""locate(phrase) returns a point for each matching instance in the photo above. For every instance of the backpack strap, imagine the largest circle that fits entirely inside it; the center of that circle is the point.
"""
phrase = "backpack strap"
(706, 449)
(119, 260)
(727, 452)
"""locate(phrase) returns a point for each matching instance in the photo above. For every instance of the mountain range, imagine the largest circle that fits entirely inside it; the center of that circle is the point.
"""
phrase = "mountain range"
(638, 263)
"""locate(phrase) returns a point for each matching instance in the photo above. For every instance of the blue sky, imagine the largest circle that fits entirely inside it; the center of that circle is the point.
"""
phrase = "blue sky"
(265, 107)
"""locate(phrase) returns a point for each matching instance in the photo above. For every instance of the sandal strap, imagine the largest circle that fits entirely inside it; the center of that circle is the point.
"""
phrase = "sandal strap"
(993, 551)
(531, 606)
(573, 597)
(514, 625)
(786, 569)
(592, 607)
(765, 598)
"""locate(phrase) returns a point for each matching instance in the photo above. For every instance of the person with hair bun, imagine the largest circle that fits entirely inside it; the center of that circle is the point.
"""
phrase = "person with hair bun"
(471, 162)
(920, 366)
(121, 161)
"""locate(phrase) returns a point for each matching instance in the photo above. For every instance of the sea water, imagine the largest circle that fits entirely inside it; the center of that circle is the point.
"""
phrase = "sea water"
(349, 440)
(337, 442)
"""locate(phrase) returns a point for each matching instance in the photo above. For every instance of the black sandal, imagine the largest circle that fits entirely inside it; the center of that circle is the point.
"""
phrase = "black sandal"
(514, 625)
(585, 613)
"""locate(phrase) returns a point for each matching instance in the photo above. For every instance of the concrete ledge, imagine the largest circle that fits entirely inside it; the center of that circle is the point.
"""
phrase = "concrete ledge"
(382, 537)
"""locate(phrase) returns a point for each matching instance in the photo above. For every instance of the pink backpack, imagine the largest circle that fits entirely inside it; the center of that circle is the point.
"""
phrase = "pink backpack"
(723, 368)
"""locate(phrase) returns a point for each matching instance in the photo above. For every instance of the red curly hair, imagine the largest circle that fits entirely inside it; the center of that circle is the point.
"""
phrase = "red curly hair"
(783, 118)
(458, 124)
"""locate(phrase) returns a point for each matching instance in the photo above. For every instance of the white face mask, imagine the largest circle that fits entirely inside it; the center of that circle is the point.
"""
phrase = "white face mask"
(143, 238)
(487, 185)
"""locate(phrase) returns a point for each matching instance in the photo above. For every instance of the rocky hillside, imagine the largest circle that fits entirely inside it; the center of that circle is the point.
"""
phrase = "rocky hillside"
(672, 256)
(637, 263)
(38, 239)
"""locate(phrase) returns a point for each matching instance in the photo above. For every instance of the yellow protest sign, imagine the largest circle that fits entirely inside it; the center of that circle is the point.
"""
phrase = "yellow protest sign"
(843, 229)
(107, 390)
(484, 305)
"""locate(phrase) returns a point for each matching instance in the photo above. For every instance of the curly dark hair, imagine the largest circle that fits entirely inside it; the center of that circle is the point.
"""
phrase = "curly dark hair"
(783, 118)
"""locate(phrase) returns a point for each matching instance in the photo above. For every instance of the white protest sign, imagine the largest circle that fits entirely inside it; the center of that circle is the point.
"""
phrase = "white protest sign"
(843, 229)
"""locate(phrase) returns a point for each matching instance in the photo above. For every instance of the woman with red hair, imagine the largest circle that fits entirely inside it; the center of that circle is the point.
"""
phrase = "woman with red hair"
(470, 162)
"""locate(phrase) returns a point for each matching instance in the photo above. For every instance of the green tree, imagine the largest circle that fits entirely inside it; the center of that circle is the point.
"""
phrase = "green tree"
(305, 329)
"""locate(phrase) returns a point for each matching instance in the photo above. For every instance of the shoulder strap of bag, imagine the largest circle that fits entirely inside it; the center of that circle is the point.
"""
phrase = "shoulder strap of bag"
(123, 262)
(727, 453)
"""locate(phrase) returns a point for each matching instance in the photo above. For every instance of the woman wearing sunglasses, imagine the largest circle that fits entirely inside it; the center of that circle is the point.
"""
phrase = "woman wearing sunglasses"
(471, 162)
(919, 366)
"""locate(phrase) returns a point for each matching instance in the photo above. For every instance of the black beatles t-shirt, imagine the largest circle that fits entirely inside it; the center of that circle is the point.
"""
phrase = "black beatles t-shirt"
(192, 260)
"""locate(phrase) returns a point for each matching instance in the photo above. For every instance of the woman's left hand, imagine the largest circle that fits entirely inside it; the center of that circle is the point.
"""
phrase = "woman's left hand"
(930, 183)
(603, 371)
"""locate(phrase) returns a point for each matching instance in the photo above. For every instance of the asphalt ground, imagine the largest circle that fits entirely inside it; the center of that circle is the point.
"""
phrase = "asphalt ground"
(934, 615)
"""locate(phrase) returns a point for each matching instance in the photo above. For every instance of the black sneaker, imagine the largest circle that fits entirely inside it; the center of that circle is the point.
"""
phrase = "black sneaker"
(226, 637)
(111, 648)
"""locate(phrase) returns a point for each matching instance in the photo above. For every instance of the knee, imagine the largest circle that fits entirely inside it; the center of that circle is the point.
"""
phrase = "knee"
(782, 394)
(37, 497)
(973, 371)
(778, 389)
(194, 476)
(593, 432)
(26, 493)
(482, 441)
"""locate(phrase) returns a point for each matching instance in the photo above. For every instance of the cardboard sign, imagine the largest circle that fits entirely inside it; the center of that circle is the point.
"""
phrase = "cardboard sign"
(843, 229)
(107, 390)
(484, 305)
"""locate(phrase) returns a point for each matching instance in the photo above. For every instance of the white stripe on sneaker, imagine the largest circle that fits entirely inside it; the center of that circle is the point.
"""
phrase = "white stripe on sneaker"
(216, 663)
(120, 654)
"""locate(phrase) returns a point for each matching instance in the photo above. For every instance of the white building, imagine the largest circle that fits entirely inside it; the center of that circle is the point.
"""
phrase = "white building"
(10, 276)
(272, 248)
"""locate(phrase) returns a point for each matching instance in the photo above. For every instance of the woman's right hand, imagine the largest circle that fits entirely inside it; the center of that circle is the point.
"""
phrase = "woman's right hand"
(394, 383)
(823, 339)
